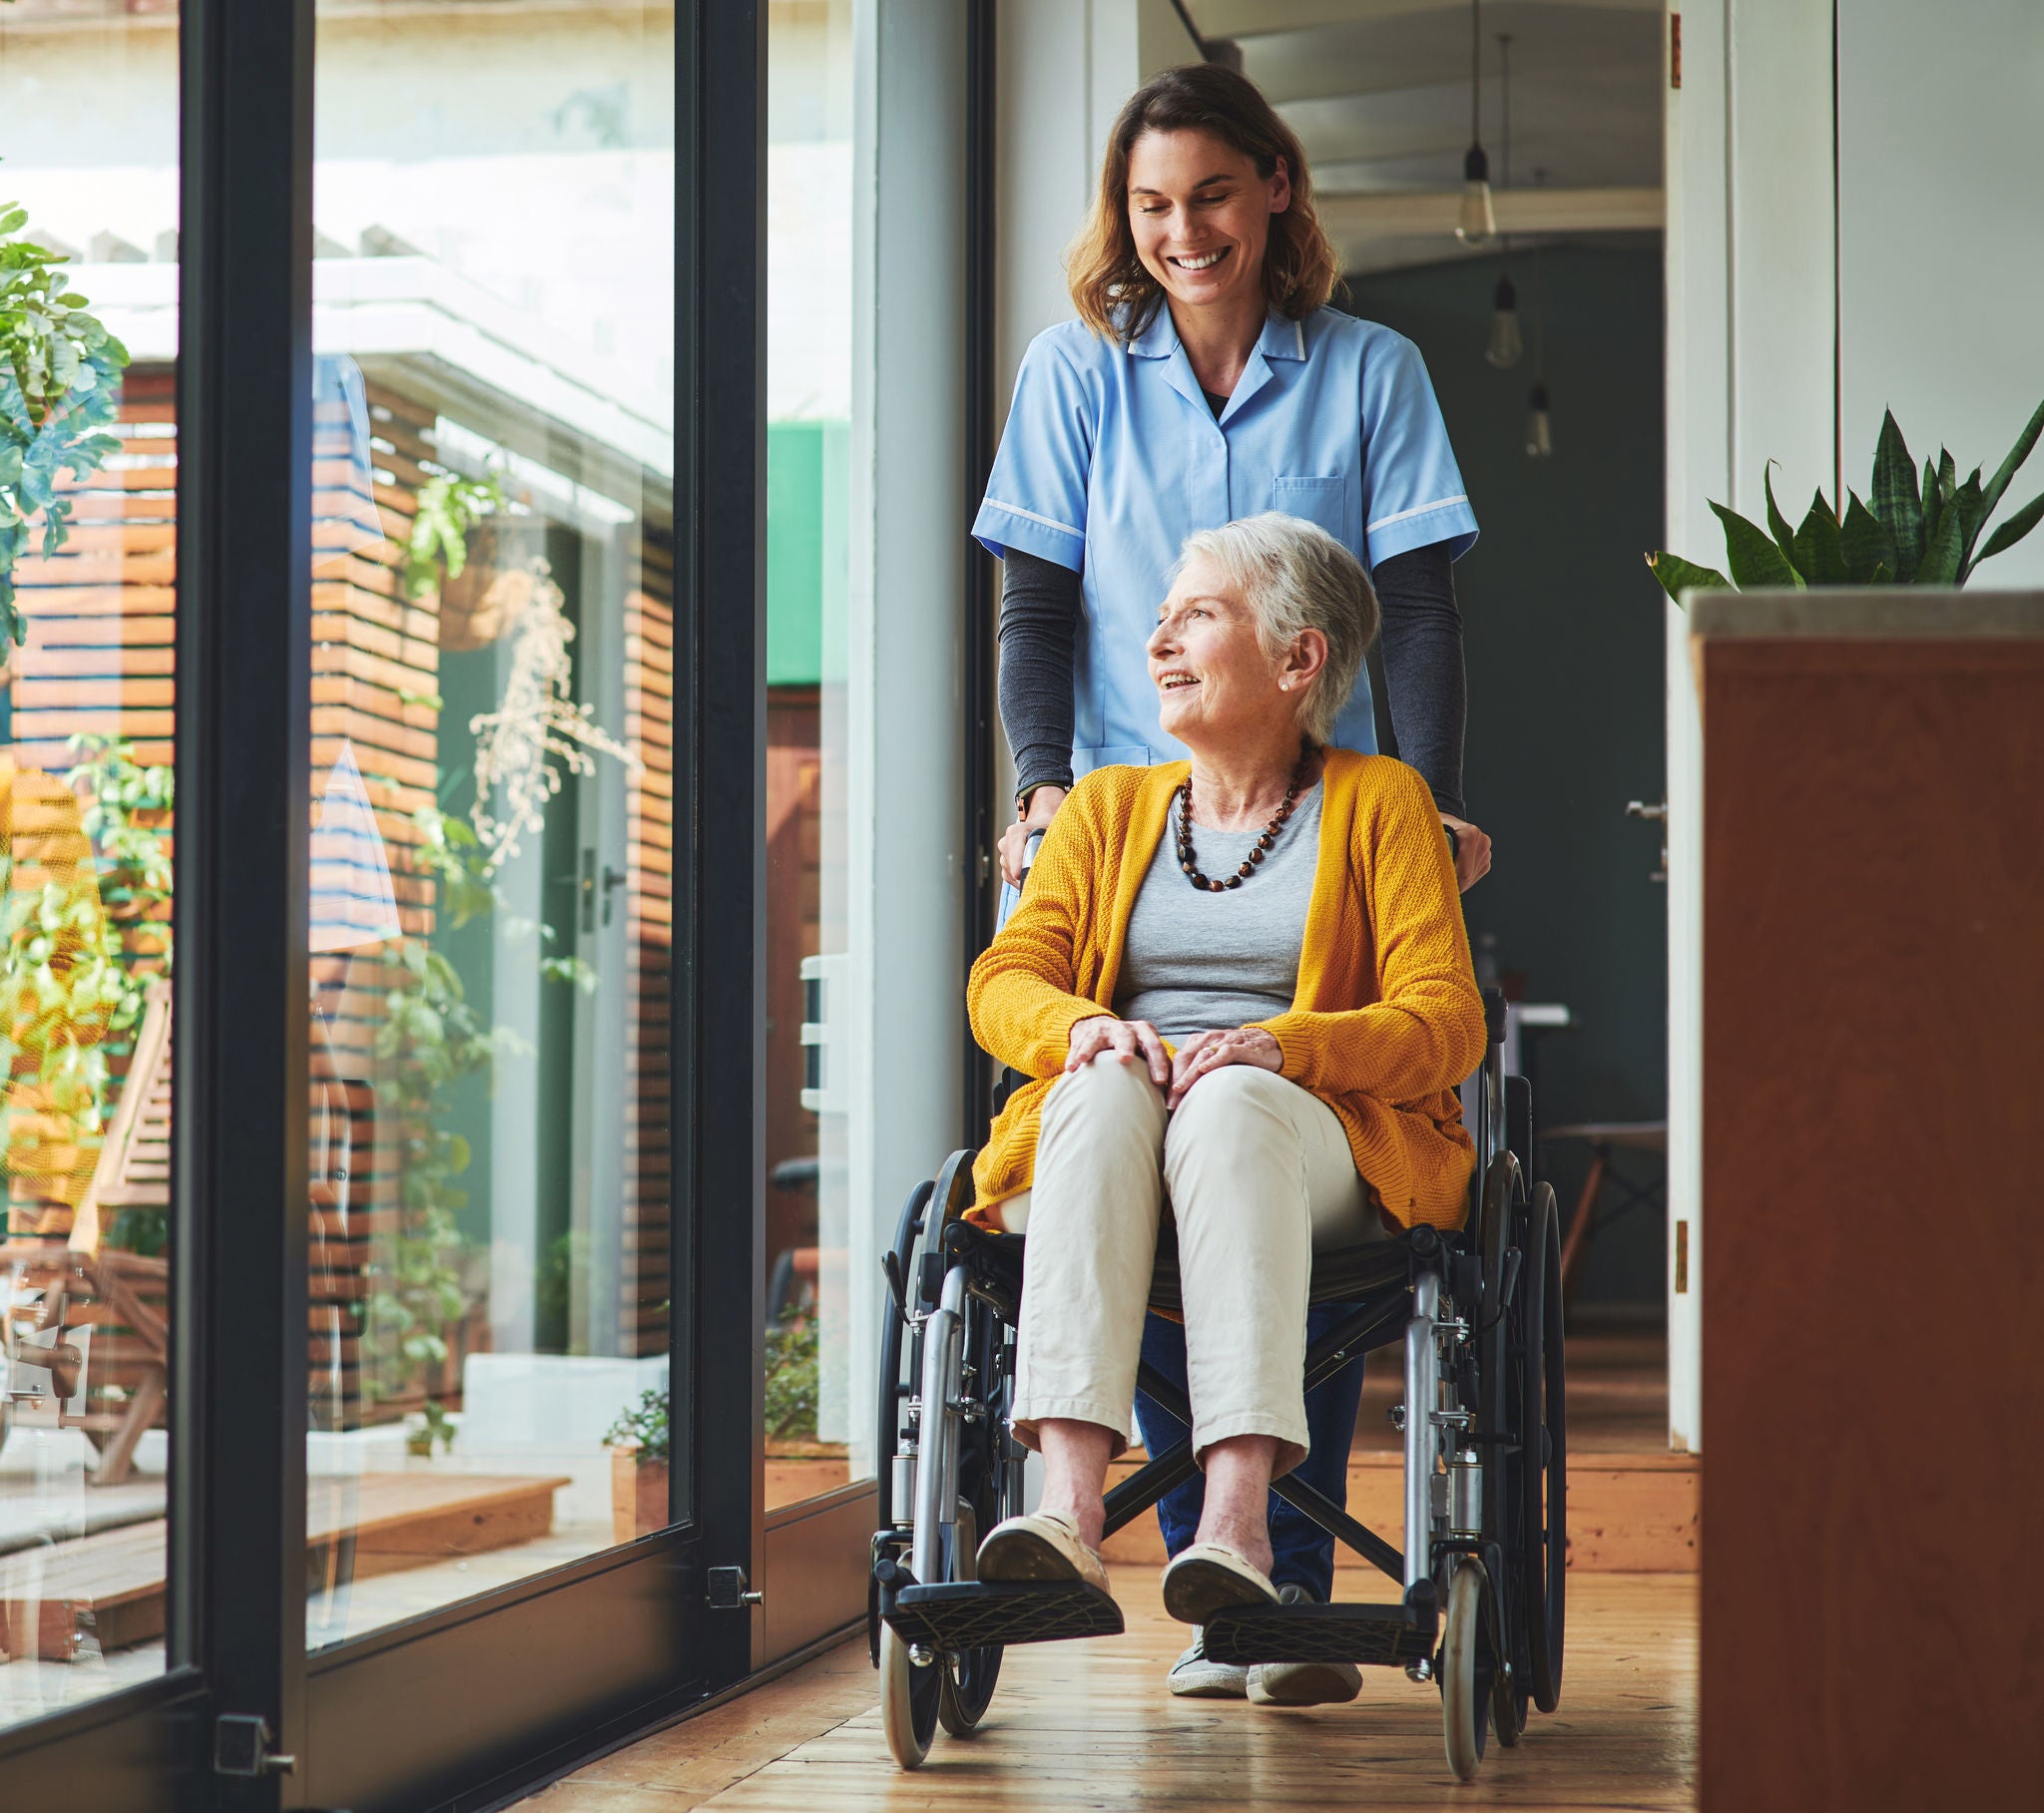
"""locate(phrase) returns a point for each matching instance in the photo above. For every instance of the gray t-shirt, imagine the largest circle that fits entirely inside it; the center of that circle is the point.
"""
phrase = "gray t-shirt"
(1197, 961)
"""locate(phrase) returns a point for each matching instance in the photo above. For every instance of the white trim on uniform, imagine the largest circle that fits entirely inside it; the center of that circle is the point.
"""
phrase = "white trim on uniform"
(1440, 503)
(1077, 535)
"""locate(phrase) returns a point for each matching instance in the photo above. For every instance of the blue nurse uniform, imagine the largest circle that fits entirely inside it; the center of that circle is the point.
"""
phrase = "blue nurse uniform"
(1112, 456)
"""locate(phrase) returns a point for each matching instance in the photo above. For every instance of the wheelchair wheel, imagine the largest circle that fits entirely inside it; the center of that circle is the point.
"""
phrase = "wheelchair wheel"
(1500, 1235)
(908, 1700)
(1464, 1677)
(985, 1483)
(1543, 1471)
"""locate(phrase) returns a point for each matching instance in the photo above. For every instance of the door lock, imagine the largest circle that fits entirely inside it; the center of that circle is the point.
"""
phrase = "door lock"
(240, 1747)
(727, 1591)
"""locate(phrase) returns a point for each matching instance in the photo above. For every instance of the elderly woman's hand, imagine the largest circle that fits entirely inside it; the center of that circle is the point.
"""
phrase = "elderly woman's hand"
(1205, 1052)
(1129, 1041)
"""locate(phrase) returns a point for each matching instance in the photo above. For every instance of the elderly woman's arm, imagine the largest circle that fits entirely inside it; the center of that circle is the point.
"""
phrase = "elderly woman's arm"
(1021, 997)
(1425, 1032)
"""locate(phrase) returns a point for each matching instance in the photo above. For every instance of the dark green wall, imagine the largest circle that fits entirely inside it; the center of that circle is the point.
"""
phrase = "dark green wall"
(1563, 632)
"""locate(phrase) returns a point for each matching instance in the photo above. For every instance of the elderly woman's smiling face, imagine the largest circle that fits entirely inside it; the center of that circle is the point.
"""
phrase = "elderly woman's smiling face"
(1216, 683)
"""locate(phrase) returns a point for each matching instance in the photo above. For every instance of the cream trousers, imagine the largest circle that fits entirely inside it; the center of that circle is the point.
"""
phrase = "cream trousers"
(1258, 1172)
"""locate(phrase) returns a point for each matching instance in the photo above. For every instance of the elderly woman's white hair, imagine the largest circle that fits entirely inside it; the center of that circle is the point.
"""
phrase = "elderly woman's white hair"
(1296, 576)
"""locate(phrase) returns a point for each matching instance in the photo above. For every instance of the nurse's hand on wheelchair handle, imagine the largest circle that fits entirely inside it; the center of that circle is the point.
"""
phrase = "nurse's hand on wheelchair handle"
(1212, 1051)
(1043, 806)
(1125, 1041)
(1473, 852)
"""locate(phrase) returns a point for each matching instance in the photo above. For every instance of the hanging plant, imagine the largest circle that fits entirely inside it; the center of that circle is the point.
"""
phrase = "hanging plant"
(538, 719)
(59, 389)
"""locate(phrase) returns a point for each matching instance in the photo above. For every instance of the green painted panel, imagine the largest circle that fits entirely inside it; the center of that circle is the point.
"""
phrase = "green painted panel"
(807, 550)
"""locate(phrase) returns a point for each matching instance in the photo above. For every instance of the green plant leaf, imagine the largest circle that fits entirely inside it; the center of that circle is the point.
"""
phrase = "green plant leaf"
(1893, 497)
(2015, 528)
(1947, 476)
(1754, 559)
(1678, 576)
(1941, 564)
(1817, 554)
(1971, 513)
(2013, 464)
(1864, 542)
(1777, 524)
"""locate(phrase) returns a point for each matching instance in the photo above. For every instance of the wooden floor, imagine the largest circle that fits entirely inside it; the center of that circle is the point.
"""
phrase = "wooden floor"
(1089, 1725)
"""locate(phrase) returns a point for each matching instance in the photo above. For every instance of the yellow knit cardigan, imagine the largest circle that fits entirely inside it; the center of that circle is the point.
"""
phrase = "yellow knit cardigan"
(1387, 1022)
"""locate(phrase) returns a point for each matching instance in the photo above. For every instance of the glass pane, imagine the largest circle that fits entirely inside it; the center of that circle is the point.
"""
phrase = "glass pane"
(88, 551)
(492, 756)
(816, 1414)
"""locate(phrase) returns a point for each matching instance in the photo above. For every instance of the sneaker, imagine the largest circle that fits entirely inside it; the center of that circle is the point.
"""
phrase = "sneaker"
(1039, 1546)
(1207, 1578)
(1303, 1683)
(1195, 1675)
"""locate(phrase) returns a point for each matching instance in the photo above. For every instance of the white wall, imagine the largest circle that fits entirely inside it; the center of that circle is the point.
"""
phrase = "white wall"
(1749, 337)
(904, 848)
(1942, 237)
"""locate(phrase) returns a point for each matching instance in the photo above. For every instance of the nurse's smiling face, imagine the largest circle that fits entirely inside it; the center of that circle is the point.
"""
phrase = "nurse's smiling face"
(1217, 686)
(1201, 215)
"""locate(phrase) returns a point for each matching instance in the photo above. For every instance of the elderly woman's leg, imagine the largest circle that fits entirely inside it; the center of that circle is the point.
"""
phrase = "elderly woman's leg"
(1091, 1218)
(1260, 1173)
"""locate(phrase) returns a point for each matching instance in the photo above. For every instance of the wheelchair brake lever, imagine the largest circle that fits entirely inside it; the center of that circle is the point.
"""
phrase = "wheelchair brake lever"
(890, 1266)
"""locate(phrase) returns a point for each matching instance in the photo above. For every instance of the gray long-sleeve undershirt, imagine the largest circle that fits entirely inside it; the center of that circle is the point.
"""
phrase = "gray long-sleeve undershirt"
(1421, 643)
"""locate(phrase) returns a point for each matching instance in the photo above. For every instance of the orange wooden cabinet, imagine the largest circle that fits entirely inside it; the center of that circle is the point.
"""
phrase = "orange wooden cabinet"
(1873, 1273)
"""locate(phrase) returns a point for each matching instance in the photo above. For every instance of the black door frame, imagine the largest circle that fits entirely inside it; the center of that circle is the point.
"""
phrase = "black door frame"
(459, 1709)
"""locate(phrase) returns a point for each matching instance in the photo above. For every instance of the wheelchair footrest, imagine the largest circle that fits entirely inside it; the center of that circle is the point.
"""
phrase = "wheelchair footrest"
(1384, 1634)
(980, 1615)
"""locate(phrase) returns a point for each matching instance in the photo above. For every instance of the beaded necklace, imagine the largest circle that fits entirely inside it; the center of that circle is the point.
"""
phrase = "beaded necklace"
(1268, 836)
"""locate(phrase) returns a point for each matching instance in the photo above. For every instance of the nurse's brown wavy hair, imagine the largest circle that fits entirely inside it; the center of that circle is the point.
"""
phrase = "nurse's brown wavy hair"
(1114, 294)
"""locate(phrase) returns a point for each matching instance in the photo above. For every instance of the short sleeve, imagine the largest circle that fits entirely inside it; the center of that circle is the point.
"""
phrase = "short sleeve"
(1412, 493)
(1036, 494)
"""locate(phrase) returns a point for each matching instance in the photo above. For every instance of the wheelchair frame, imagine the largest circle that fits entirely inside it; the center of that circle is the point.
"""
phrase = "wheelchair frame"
(1479, 1315)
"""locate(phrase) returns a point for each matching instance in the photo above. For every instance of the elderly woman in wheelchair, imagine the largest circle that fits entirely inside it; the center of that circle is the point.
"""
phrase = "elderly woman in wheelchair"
(1237, 1001)
(1244, 990)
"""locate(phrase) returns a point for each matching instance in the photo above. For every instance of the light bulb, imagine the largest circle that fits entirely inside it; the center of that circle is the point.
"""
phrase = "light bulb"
(1539, 430)
(1507, 346)
(1477, 225)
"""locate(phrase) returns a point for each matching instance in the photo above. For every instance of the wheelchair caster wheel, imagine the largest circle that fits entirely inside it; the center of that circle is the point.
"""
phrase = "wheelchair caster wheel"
(1465, 1720)
(908, 1700)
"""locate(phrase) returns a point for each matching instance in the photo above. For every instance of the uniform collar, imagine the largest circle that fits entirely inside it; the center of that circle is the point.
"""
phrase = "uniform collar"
(1281, 338)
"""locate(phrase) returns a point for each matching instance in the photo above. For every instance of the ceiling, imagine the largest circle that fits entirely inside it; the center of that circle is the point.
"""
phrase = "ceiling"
(1378, 93)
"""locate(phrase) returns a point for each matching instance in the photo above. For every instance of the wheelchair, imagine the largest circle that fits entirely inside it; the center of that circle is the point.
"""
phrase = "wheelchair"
(1480, 1605)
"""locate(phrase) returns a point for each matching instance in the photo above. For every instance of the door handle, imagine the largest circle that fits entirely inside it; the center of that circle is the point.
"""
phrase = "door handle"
(1638, 808)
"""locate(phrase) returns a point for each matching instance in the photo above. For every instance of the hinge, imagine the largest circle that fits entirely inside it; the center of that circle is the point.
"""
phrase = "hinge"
(240, 1746)
(727, 1591)
(1673, 50)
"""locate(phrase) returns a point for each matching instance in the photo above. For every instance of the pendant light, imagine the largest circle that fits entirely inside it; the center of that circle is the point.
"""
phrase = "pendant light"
(1507, 344)
(1539, 426)
(1477, 224)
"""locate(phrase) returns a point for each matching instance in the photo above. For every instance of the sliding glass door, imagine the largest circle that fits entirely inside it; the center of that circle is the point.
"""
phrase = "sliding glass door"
(381, 716)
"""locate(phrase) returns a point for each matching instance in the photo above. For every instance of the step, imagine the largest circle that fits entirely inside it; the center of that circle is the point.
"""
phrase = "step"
(1628, 1512)
(109, 1584)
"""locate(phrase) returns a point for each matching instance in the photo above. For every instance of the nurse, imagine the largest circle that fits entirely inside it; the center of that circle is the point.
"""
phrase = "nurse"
(1206, 379)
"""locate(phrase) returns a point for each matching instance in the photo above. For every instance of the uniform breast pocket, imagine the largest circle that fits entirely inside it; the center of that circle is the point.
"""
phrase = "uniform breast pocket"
(1320, 500)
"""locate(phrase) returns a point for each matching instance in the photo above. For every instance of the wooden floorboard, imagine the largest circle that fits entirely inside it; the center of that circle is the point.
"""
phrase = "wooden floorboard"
(1089, 1725)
